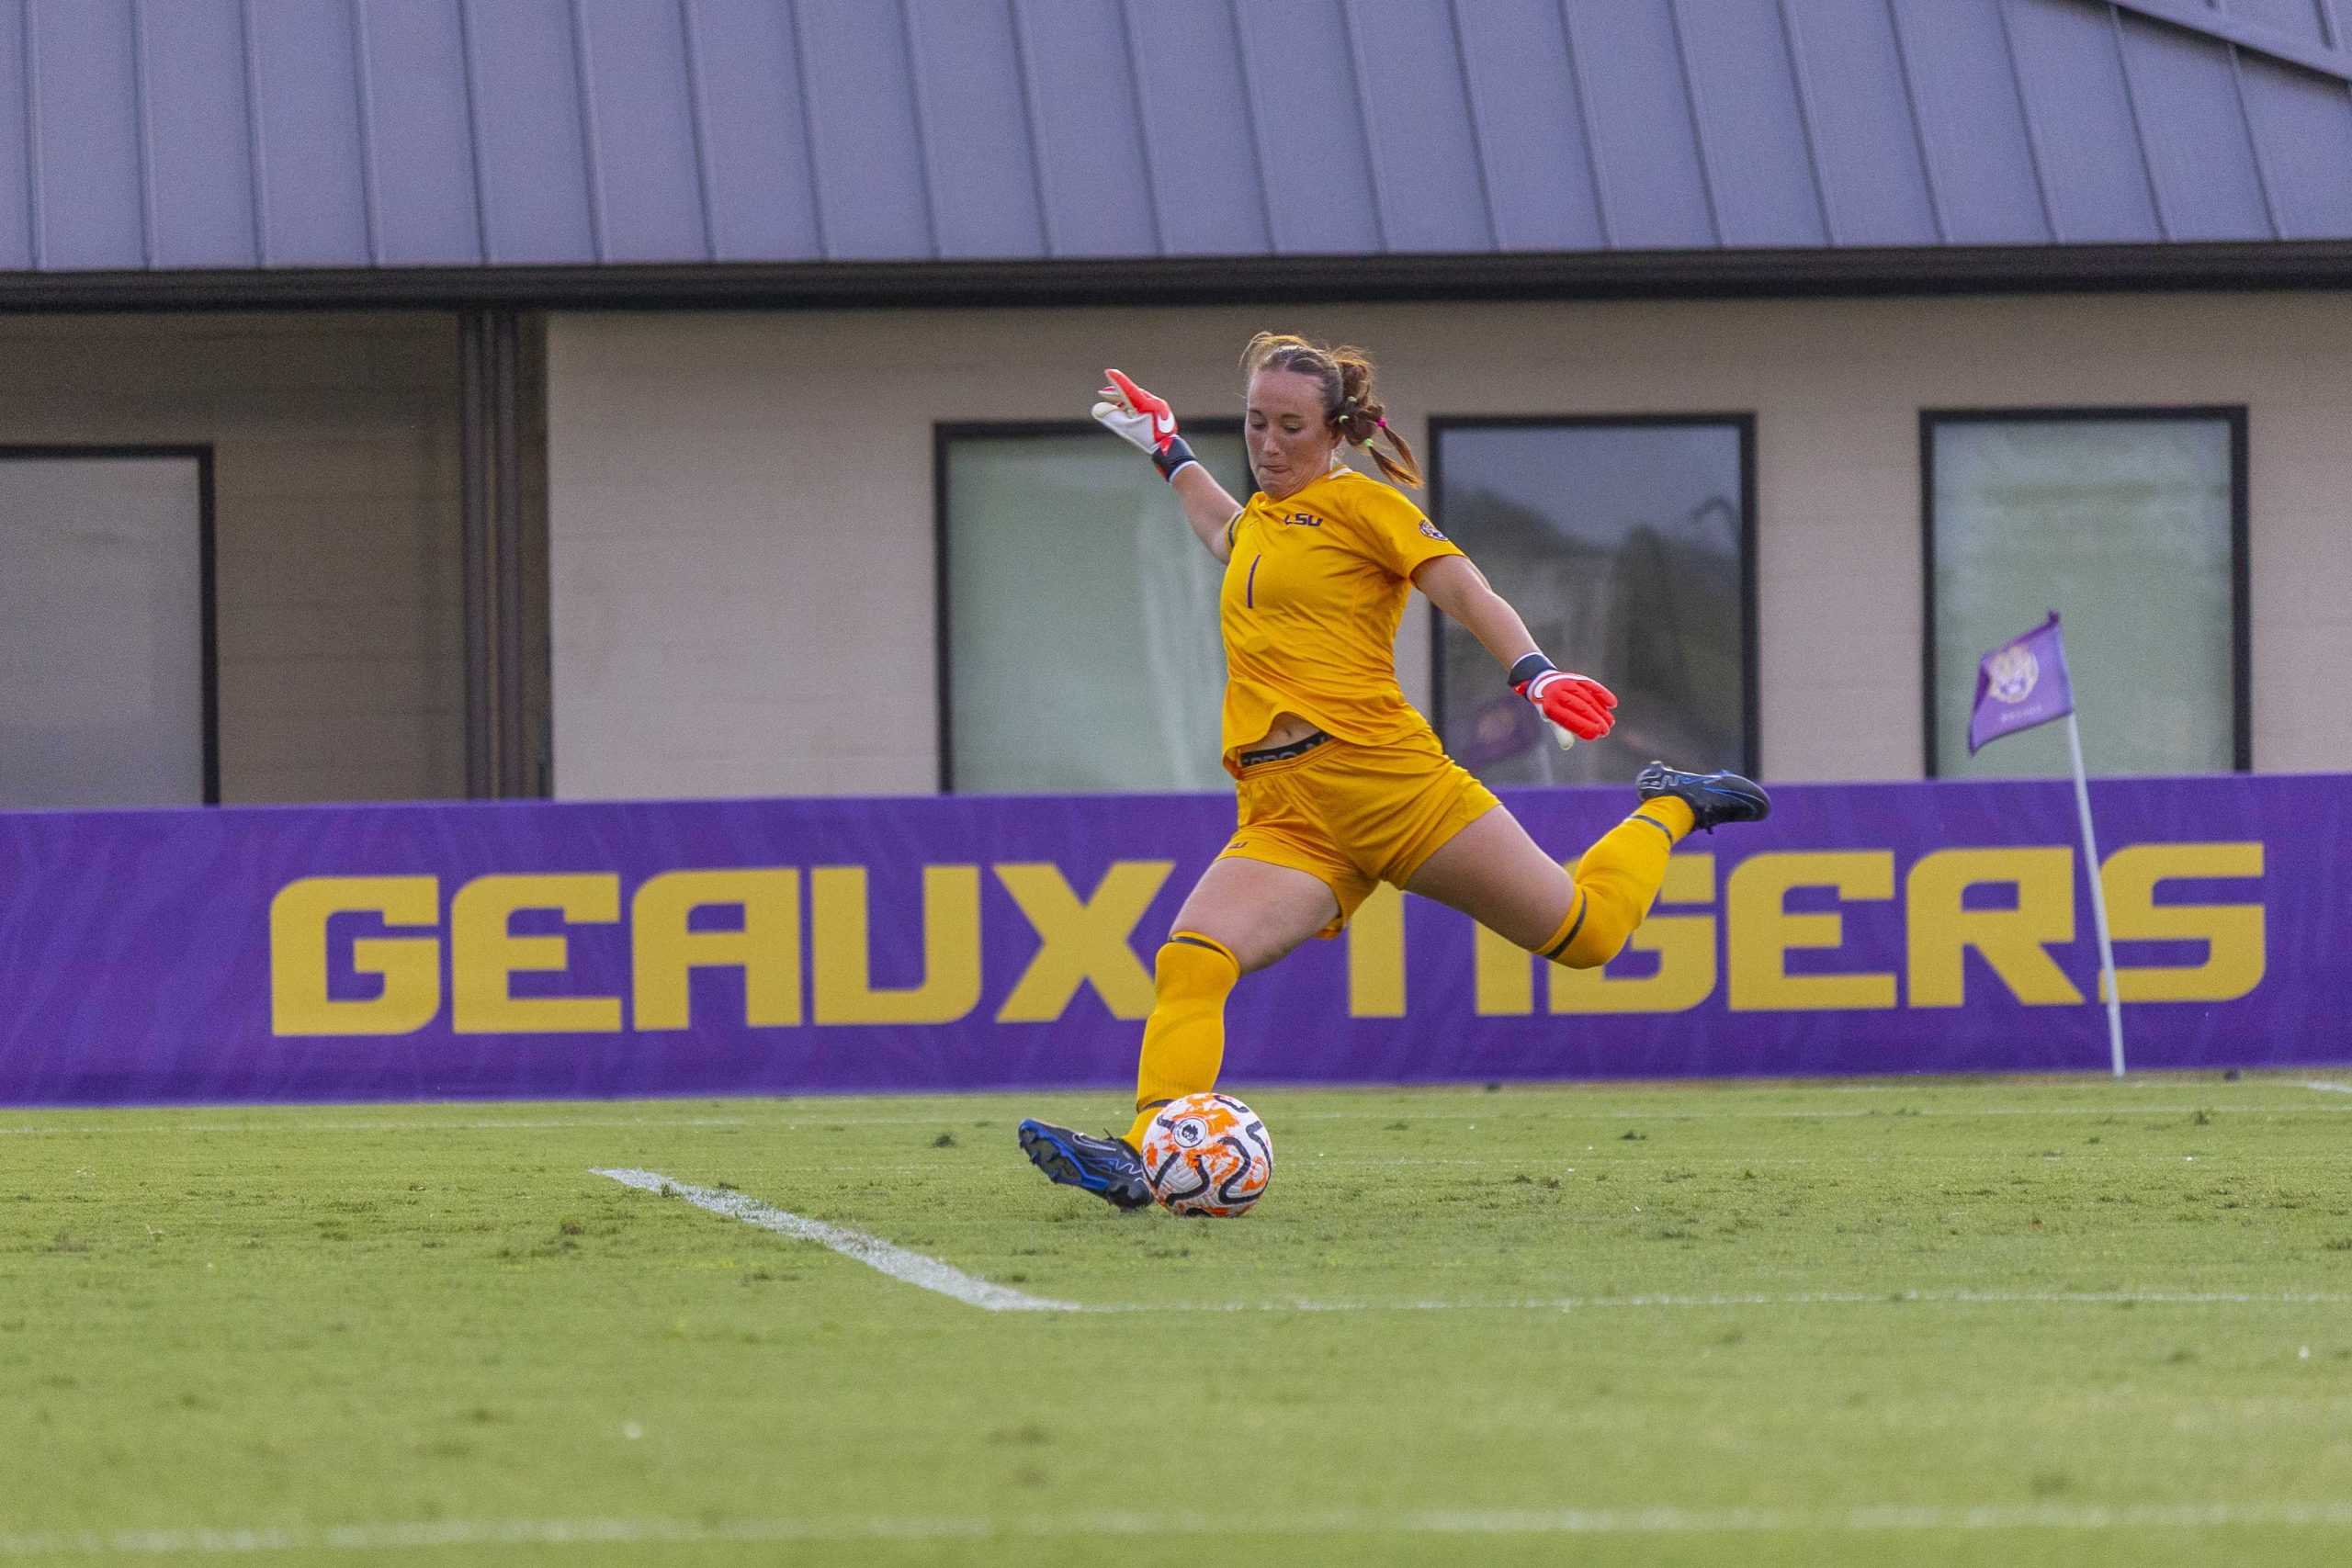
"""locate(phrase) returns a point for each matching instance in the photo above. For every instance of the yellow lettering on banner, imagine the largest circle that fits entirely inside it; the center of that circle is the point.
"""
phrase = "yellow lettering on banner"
(411, 966)
(2234, 934)
(1763, 931)
(663, 950)
(843, 955)
(1376, 956)
(1081, 944)
(484, 952)
(1502, 976)
(2016, 943)
(1685, 946)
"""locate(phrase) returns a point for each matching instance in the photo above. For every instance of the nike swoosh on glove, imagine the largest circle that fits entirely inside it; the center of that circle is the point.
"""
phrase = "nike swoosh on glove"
(1143, 422)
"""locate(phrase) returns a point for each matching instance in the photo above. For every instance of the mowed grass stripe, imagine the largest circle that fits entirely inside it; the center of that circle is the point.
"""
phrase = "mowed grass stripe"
(2066, 1094)
(929, 1273)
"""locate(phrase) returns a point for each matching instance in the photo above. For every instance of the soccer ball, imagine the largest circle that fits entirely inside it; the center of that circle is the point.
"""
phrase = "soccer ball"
(1208, 1154)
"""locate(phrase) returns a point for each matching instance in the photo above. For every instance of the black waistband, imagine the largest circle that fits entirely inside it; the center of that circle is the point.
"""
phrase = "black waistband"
(1283, 753)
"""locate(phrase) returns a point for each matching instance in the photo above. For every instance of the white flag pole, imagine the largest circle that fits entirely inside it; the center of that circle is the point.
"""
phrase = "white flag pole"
(2099, 898)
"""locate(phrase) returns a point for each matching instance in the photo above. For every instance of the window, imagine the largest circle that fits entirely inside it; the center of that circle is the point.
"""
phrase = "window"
(2130, 522)
(1626, 544)
(1079, 644)
(106, 627)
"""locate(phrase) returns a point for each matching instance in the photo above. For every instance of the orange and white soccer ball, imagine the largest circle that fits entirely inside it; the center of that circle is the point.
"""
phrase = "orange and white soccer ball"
(1208, 1154)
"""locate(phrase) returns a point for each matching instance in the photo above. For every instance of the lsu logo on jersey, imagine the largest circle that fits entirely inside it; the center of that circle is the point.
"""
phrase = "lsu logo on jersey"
(1302, 520)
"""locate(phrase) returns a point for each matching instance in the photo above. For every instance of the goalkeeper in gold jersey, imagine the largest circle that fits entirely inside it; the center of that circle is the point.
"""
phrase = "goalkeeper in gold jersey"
(1342, 784)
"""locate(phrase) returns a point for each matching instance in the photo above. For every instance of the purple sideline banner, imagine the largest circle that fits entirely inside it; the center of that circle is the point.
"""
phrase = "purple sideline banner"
(791, 946)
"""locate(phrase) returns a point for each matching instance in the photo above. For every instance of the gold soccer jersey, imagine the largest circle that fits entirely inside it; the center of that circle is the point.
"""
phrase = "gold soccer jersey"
(1313, 596)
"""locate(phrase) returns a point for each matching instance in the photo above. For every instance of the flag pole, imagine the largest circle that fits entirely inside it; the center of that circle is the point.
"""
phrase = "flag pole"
(2099, 898)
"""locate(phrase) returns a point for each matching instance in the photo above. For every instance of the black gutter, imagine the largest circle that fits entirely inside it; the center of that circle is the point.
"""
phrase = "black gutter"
(1602, 275)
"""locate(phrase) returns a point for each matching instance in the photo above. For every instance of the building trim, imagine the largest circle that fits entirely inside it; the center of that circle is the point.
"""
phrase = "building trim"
(2199, 16)
(1207, 280)
(489, 460)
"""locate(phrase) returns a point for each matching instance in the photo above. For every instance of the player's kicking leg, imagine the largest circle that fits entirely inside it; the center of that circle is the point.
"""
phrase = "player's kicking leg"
(1494, 873)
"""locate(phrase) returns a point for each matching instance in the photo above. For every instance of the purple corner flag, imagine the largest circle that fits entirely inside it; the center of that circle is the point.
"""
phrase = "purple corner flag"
(2019, 685)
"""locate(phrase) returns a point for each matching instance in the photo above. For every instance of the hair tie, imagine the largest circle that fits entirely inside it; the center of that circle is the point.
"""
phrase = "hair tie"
(1381, 423)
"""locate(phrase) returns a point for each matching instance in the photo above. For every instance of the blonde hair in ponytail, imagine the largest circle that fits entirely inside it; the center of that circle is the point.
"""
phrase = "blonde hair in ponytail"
(1350, 405)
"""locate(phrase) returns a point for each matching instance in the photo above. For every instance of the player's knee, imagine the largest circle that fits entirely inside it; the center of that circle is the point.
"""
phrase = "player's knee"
(1596, 935)
(1189, 961)
(1592, 932)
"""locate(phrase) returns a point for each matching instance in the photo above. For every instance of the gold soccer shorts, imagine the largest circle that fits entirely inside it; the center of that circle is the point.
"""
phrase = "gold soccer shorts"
(1353, 816)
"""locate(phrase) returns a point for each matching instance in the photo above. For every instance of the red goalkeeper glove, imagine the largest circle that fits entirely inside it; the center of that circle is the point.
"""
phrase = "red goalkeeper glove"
(1583, 707)
(1145, 422)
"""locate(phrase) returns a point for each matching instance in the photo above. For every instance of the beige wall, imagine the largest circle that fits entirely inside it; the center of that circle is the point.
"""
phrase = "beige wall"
(336, 523)
(742, 509)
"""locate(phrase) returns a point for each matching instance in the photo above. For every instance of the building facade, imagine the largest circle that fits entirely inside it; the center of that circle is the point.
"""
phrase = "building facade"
(631, 399)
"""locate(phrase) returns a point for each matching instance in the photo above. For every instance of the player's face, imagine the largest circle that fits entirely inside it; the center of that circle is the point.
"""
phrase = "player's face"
(1289, 442)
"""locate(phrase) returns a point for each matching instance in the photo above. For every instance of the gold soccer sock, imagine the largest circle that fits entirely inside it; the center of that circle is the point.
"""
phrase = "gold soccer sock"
(1616, 883)
(1183, 1040)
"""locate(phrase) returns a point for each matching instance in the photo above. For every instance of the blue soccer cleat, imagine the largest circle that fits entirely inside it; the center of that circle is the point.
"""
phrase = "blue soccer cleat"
(1105, 1166)
(1711, 798)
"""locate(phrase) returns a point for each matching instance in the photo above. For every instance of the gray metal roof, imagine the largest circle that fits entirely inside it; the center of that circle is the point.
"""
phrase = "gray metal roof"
(149, 135)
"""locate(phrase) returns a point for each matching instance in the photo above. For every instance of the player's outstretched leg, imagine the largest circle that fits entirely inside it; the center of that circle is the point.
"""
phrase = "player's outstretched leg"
(1618, 878)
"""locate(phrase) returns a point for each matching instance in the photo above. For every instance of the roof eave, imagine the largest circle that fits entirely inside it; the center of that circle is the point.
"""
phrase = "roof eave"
(2233, 265)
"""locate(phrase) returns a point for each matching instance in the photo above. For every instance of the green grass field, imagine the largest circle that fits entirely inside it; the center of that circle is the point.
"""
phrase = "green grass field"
(1993, 1321)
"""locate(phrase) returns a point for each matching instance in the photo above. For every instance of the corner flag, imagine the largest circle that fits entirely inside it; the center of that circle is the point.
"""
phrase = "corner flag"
(2019, 685)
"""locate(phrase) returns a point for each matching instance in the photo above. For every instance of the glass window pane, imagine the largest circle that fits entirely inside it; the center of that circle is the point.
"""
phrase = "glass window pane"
(1619, 546)
(2123, 526)
(102, 631)
(1082, 619)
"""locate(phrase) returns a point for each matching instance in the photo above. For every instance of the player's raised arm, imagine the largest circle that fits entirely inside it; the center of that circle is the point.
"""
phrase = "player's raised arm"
(1147, 423)
(1580, 706)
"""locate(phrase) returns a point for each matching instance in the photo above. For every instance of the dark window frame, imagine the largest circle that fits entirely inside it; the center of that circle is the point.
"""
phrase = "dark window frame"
(1743, 422)
(208, 607)
(2241, 594)
(944, 435)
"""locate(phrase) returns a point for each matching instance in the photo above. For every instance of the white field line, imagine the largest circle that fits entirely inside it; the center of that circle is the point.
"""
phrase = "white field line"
(1798, 1299)
(1799, 1114)
(1879, 1518)
(1606, 1159)
(2329, 1087)
(912, 1268)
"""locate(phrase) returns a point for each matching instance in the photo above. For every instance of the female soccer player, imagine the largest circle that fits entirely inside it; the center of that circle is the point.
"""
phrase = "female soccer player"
(1342, 784)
